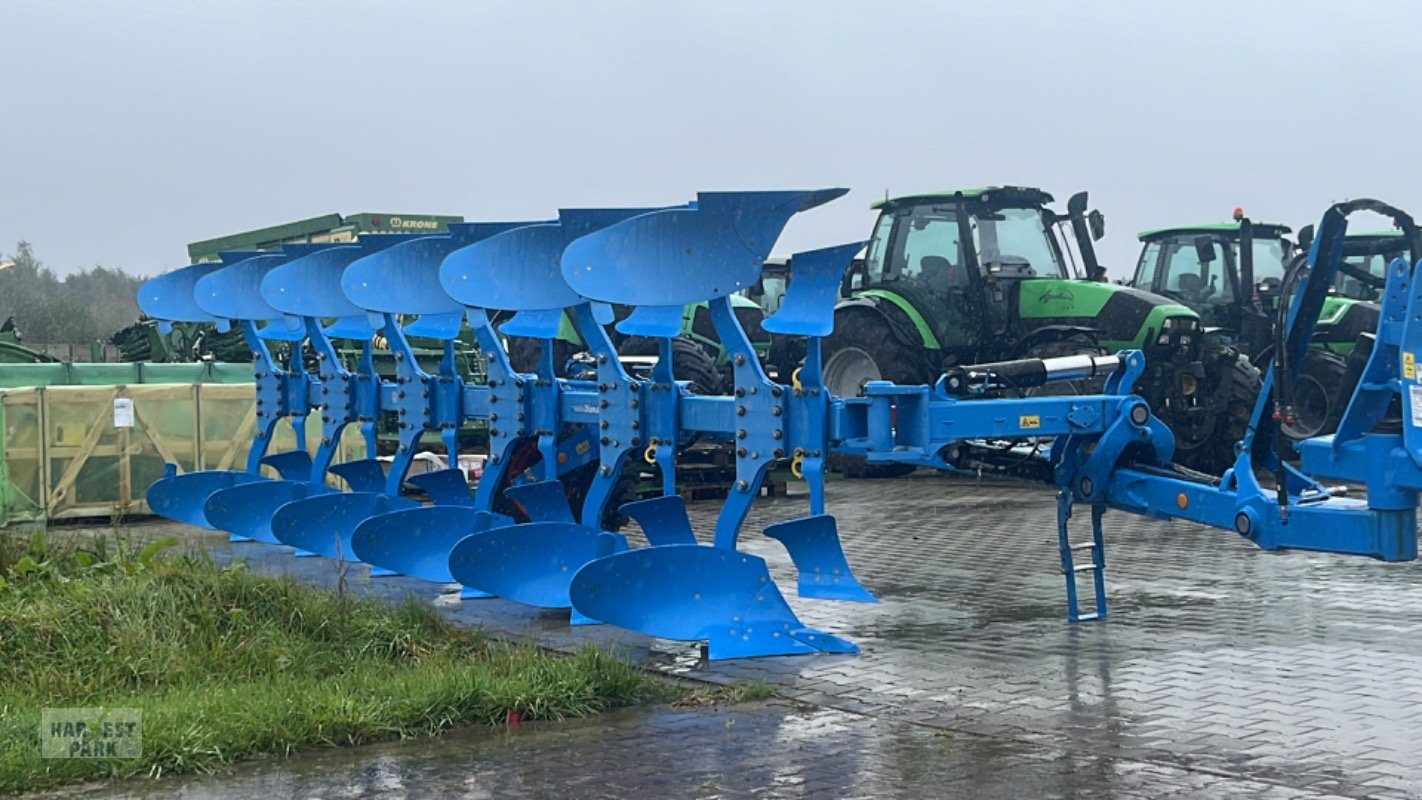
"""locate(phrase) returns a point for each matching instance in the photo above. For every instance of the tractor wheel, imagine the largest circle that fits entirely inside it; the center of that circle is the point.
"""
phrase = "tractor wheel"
(862, 349)
(523, 354)
(1075, 345)
(1214, 415)
(1320, 396)
(691, 363)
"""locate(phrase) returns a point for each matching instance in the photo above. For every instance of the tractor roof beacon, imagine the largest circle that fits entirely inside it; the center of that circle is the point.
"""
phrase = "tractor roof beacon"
(989, 274)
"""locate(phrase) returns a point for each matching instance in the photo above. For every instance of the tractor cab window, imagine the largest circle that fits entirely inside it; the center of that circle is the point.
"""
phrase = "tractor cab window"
(1373, 257)
(875, 256)
(1192, 281)
(933, 252)
(1346, 285)
(1145, 268)
(1375, 264)
(1017, 241)
(1269, 257)
(924, 249)
(773, 287)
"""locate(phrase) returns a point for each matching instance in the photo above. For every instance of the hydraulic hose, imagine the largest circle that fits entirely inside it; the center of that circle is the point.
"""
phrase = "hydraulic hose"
(1283, 378)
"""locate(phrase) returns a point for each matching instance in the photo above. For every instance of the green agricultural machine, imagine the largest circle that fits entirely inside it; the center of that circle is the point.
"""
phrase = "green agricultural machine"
(983, 275)
(13, 352)
(1232, 274)
(187, 341)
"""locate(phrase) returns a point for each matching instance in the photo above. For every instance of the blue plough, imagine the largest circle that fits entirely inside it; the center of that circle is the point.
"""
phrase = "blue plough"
(1107, 450)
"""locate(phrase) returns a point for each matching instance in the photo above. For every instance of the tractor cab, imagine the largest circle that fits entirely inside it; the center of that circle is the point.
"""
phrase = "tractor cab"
(954, 261)
(1221, 270)
(967, 239)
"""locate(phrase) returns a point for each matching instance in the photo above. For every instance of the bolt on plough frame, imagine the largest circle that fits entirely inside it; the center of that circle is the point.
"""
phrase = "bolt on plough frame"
(1107, 450)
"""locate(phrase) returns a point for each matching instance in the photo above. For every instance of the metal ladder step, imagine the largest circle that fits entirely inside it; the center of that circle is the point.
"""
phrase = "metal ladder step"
(1094, 564)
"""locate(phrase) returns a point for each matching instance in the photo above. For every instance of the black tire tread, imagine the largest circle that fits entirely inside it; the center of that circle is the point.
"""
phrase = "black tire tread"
(1215, 453)
(1330, 370)
(897, 362)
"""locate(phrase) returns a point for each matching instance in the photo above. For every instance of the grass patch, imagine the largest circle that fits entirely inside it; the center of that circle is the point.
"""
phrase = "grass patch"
(228, 665)
(729, 694)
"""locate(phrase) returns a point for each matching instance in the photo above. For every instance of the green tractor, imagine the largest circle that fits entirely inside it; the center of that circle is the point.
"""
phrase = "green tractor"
(982, 275)
(1231, 273)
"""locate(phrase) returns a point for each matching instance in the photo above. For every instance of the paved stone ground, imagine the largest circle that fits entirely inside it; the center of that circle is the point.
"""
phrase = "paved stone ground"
(1223, 670)
(753, 751)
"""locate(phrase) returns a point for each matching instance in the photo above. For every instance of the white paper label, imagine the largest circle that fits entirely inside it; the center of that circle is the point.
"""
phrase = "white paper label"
(123, 412)
(1414, 391)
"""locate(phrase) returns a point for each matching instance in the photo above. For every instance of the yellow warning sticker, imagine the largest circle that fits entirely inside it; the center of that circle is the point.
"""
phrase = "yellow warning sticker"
(1029, 421)
(1409, 366)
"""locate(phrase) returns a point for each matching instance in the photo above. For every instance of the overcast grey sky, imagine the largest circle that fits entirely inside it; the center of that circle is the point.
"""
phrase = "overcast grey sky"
(130, 129)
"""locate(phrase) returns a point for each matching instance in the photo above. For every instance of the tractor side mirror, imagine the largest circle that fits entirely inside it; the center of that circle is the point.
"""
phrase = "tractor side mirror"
(1305, 237)
(1204, 249)
(857, 267)
(1097, 223)
(1097, 274)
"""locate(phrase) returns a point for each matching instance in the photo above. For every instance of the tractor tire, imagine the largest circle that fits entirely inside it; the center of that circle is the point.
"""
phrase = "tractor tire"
(1204, 441)
(862, 349)
(523, 354)
(1320, 395)
(1075, 345)
(691, 363)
